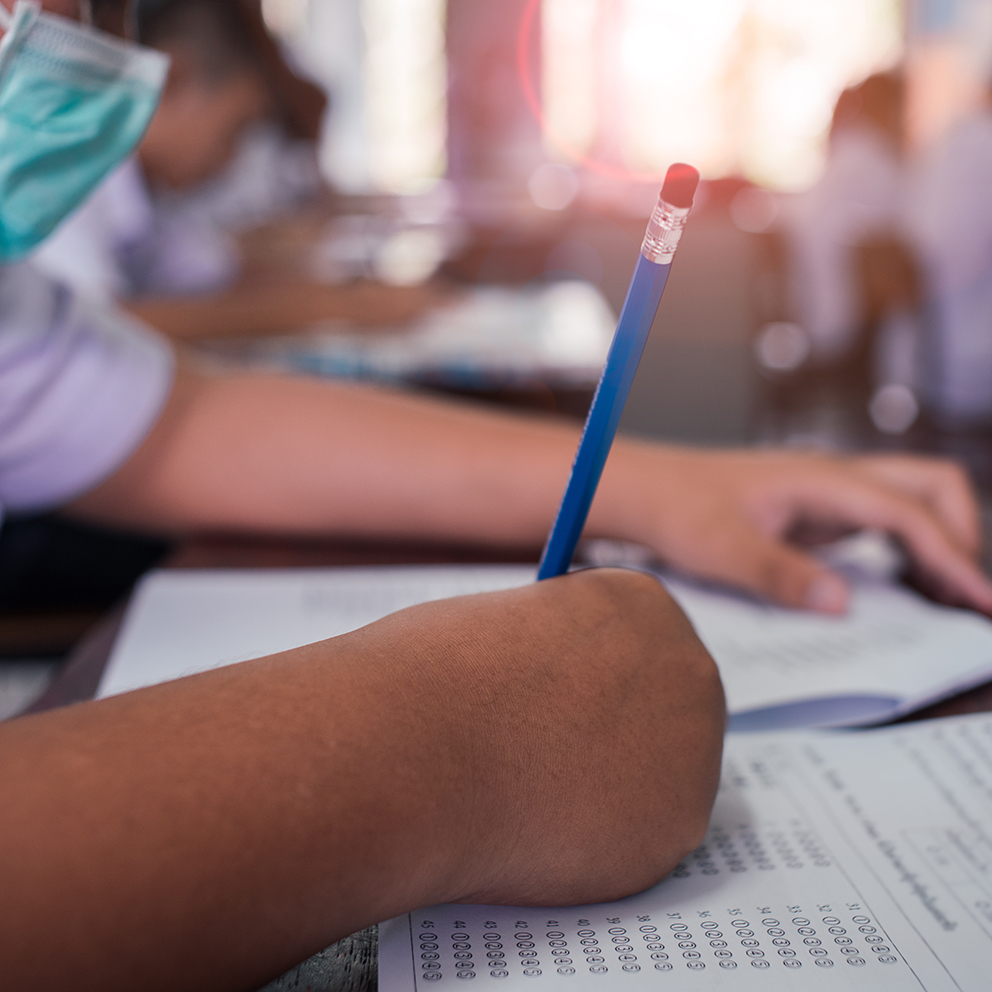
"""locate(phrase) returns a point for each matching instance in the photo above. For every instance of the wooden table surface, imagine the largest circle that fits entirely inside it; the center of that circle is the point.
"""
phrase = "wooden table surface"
(351, 964)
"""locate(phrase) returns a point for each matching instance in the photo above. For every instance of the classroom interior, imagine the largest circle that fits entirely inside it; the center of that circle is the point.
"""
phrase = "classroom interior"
(448, 196)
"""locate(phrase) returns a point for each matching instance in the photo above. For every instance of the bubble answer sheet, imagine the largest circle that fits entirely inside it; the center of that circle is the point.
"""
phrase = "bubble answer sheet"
(834, 860)
(892, 653)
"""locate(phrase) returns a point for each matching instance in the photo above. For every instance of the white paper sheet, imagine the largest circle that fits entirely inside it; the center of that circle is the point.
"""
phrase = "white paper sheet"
(181, 622)
(780, 668)
(490, 334)
(893, 652)
(833, 861)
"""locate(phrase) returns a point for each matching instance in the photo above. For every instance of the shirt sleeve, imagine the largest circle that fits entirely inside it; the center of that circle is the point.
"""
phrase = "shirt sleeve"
(81, 385)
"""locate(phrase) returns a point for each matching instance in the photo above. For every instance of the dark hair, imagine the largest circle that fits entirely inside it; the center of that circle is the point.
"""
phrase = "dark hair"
(213, 32)
(115, 16)
(878, 100)
(229, 36)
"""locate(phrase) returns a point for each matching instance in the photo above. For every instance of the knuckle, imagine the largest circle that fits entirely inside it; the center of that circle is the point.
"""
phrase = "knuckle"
(956, 475)
(782, 579)
(696, 822)
(943, 467)
(623, 579)
(631, 593)
(698, 669)
(700, 689)
(711, 684)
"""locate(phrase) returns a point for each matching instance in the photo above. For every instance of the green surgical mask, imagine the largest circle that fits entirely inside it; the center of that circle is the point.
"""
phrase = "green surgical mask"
(74, 102)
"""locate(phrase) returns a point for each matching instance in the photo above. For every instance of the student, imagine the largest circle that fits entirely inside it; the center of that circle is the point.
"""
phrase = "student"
(231, 146)
(124, 241)
(859, 197)
(949, 216)
(555, 744)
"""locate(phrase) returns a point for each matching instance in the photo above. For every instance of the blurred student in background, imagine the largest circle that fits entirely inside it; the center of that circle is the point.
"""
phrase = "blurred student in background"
(858, 198)
(232, 145)
(891, 259)
(855, 281)
(949, 218)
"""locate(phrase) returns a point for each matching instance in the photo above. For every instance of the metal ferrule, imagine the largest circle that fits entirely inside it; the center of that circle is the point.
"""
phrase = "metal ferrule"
(664, 232)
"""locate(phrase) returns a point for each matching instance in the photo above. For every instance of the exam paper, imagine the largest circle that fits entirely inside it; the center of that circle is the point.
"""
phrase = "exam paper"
(833, 861)
(181, 622)
(894, 651)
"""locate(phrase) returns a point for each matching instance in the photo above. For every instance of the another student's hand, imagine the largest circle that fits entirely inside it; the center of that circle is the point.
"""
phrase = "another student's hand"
(261, 309)
(730, 515)
(295, 455)
(378, 304)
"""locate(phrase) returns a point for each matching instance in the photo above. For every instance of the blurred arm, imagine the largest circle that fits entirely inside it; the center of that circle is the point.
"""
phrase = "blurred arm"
(213, 831)
(299, 455)
(280, 308)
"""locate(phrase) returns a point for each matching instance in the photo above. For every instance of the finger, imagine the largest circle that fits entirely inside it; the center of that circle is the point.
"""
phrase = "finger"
(745, 558)
(943, 485)
(934, 551)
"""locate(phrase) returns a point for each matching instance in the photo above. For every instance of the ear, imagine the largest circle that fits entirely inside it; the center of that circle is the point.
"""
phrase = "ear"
(183, 74)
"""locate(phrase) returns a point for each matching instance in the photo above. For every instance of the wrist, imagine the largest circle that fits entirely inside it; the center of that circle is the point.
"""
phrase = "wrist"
(634, 492)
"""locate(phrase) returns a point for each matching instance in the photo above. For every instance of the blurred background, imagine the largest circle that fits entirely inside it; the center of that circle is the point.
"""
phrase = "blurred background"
(835, 283)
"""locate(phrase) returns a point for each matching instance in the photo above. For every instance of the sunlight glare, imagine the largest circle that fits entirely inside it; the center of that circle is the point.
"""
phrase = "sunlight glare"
(406, 87)
(736, 86)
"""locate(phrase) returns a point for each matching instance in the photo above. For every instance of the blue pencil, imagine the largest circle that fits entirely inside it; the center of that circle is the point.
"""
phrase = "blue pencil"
(638, 313)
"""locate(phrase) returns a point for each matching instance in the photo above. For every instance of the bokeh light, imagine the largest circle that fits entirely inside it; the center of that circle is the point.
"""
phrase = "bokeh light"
(384, 64)
(284, 17)
(406, 80)
(735, 86)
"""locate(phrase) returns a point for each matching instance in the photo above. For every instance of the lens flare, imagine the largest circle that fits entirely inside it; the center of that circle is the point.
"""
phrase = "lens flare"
(564, 147)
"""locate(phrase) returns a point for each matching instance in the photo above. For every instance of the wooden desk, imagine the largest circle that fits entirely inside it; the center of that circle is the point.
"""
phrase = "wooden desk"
(351, 964)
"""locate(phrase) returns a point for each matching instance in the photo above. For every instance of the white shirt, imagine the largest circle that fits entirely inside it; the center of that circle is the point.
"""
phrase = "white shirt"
(80, 387)
(124, 241)
(949, 219)
(859, 195)
(120, 244)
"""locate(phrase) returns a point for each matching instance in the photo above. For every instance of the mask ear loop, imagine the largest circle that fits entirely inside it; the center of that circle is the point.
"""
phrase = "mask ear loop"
(6, 17)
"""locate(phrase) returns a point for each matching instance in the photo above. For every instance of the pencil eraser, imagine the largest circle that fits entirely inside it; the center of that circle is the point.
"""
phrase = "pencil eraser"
(681, 181)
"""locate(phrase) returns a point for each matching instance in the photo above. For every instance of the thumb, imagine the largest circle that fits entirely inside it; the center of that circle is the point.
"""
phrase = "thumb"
(783, 574)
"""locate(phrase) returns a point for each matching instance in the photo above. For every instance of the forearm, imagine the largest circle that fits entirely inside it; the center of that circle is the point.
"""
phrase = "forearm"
(300, 455)
(252, 311)
(241, 312)
(212, 832)
(191, 318)
(209, 833)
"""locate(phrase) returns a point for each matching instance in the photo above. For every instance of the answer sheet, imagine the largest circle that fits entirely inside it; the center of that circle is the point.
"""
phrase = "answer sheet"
(833, 861)
(779, 667)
